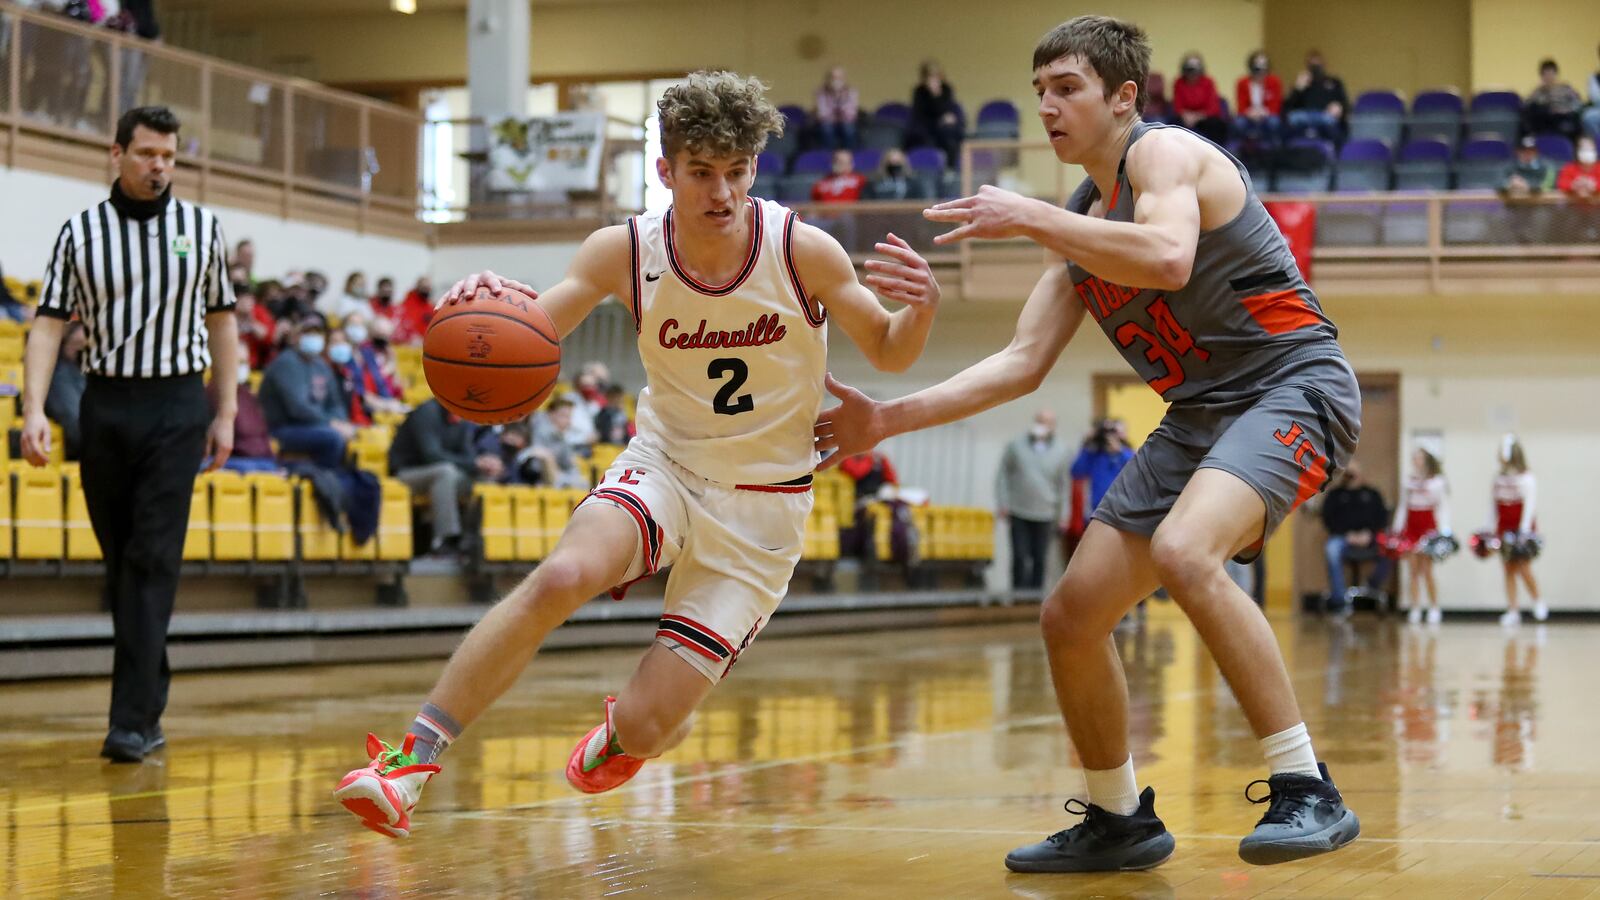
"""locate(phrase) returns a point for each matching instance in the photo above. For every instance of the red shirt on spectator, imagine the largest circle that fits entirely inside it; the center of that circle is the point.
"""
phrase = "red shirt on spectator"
(1271, 95)
(1197, 95)
(1572, 171)
(411, 322)
(261, 344)
(839, 188)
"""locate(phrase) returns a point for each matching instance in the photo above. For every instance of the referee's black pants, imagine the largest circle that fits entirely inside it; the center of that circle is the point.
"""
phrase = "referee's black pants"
(143, 442)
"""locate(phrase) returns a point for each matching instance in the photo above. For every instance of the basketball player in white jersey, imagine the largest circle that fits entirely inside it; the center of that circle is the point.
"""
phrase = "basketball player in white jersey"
(730, 295)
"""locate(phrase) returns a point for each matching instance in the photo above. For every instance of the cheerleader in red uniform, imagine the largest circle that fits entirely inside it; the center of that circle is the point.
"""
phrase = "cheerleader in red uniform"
(1424, 512)
(1514, 491)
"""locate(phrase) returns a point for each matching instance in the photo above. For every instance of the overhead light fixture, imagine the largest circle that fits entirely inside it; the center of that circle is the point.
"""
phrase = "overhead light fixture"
(403, 6)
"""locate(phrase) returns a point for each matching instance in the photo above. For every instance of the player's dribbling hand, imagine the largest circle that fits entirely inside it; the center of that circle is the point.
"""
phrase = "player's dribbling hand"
(905, 276)
(991, 213)
(847, 429)
(467, 287)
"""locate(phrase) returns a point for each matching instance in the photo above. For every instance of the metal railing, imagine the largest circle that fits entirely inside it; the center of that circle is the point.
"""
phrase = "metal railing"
(66, 81)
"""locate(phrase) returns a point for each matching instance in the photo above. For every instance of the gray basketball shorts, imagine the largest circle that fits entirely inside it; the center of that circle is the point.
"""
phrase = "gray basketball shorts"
(1287, 441)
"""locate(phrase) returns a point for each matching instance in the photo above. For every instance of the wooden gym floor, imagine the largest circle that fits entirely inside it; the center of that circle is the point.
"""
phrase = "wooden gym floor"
(905, 763)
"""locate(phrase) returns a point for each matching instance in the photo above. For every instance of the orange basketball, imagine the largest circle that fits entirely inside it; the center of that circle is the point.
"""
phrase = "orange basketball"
(491, 360)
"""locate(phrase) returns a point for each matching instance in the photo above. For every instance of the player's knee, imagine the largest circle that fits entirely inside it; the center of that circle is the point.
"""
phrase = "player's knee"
(1181, 562)
(1061, 627)
(563, 581)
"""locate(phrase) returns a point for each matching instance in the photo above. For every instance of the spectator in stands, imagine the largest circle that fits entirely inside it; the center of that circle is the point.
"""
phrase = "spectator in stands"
(558, 465)
(935, 117)
(244, 256)
(1157, 108)
(374, 366)
(257, 328)
(383, 304)
(1354, 515)
(252, 440)
(12, 308)
(843, 185)
(1317, 105)
(1590, 118)
(1580, 179)
(870, 471)
(1196, 102)
(894, 180)
(61, 402)
(415, 312)
(1258, 96)
(588, 396)
(301, 398)
(435, 453)
(838, 104)
(315, 284)
(354, 300)
(1031, 490)
(1528, 173)
(1553, 106)
(611, 423)
(341, 358)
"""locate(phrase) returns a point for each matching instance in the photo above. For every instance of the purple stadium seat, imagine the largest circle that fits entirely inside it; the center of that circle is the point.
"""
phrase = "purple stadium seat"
(1002, 111)
(1437, 103)
(769, 163)
(812, 162)
(1325, 147)
(894, 111)
(1485, 150)
(925, 159)
(795, 116)
(1365, 150)
(867, 159)
(1379, 103)
(1555, 147)
(1496, 101)
(1425, 152)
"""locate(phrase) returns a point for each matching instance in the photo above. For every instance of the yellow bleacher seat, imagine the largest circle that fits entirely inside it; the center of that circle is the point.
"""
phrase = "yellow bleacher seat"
(558, 505)
(391, 419)
(418, 393)
(197, 542)
(11, 347)
(496, 523)
(5, 512)
(394, 521)
(37, 522)
(370, 449)
(350, 550)
(604, 455)
(273, 515)
(11, 377)
(81, 541)
(58, 445)
(255, 381)
(317, 540)
(527, 523)
(232, 517)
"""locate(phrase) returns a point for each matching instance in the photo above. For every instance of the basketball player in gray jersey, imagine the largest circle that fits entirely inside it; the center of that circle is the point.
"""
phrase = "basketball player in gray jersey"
(1168, 248)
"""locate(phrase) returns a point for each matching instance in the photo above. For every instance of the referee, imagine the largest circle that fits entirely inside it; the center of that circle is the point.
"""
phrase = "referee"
(147, 274)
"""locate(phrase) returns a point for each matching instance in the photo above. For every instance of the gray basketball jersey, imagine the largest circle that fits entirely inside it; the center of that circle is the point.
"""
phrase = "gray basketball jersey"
(1244, 313)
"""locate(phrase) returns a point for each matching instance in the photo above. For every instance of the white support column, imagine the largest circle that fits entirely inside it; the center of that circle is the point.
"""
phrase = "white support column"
(497, 58)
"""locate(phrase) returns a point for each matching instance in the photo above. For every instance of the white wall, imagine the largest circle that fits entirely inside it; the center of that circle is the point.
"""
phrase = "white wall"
(37, 204)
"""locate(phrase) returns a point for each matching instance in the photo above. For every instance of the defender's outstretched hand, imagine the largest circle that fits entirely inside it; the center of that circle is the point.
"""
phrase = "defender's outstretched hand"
(905, 276)
(497, 285)
(990, 214)
(851, 427)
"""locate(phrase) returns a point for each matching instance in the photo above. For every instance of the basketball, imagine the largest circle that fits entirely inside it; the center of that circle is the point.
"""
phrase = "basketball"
(491, 360)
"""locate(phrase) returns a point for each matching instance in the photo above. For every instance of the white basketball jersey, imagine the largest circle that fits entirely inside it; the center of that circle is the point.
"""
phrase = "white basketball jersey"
(734, 371)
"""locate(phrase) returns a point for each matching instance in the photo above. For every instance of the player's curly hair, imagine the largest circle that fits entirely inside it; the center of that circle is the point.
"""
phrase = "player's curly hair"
(719, 114)
(1118, 51)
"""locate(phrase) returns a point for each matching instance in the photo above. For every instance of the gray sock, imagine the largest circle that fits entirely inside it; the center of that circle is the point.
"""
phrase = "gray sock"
(435, 729)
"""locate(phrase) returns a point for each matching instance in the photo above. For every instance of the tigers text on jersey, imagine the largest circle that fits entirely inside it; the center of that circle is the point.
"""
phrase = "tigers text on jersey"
(734, 371)
(1244, 315)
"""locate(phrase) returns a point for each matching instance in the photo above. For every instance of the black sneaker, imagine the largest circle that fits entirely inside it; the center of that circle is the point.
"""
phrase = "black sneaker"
(1102, 842)
(1306, 817)
(124, 746)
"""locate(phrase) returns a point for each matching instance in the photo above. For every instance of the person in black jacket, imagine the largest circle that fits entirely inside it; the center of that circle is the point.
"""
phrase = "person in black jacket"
(1318, 105)
(935, 118)
(436, 452)
(1354, 514)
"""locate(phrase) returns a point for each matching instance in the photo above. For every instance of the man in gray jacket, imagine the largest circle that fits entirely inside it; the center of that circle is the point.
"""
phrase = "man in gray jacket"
(1030, 489)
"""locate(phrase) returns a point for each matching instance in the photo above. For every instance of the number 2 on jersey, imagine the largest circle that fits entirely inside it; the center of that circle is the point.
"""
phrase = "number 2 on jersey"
(725, 403)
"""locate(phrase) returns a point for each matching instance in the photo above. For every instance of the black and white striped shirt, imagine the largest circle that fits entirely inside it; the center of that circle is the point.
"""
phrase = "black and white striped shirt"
(142, 287)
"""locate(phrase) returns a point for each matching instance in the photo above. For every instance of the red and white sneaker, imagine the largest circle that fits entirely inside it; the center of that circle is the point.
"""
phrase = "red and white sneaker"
(598, 764)
(383, 794)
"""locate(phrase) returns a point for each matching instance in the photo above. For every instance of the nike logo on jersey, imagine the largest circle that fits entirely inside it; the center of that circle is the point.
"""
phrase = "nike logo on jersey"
(654, 276)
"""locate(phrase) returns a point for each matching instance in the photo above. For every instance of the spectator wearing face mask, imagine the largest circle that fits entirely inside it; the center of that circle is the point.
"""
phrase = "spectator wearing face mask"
(838, 104)
(354, 300)
(894, 181)
(415, 312)
(252, 440)
(1196, 103)
(1580, 179)
(1258, 96)
(368, 388)
(1317, 105)
(341, 357)
(611, 424)
(1553, 105)
(1031, 491)
(383, 302)
(302, 400)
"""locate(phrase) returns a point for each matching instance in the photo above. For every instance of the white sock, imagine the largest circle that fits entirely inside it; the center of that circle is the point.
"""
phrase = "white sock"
(1114, 790)
(1290, 751)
